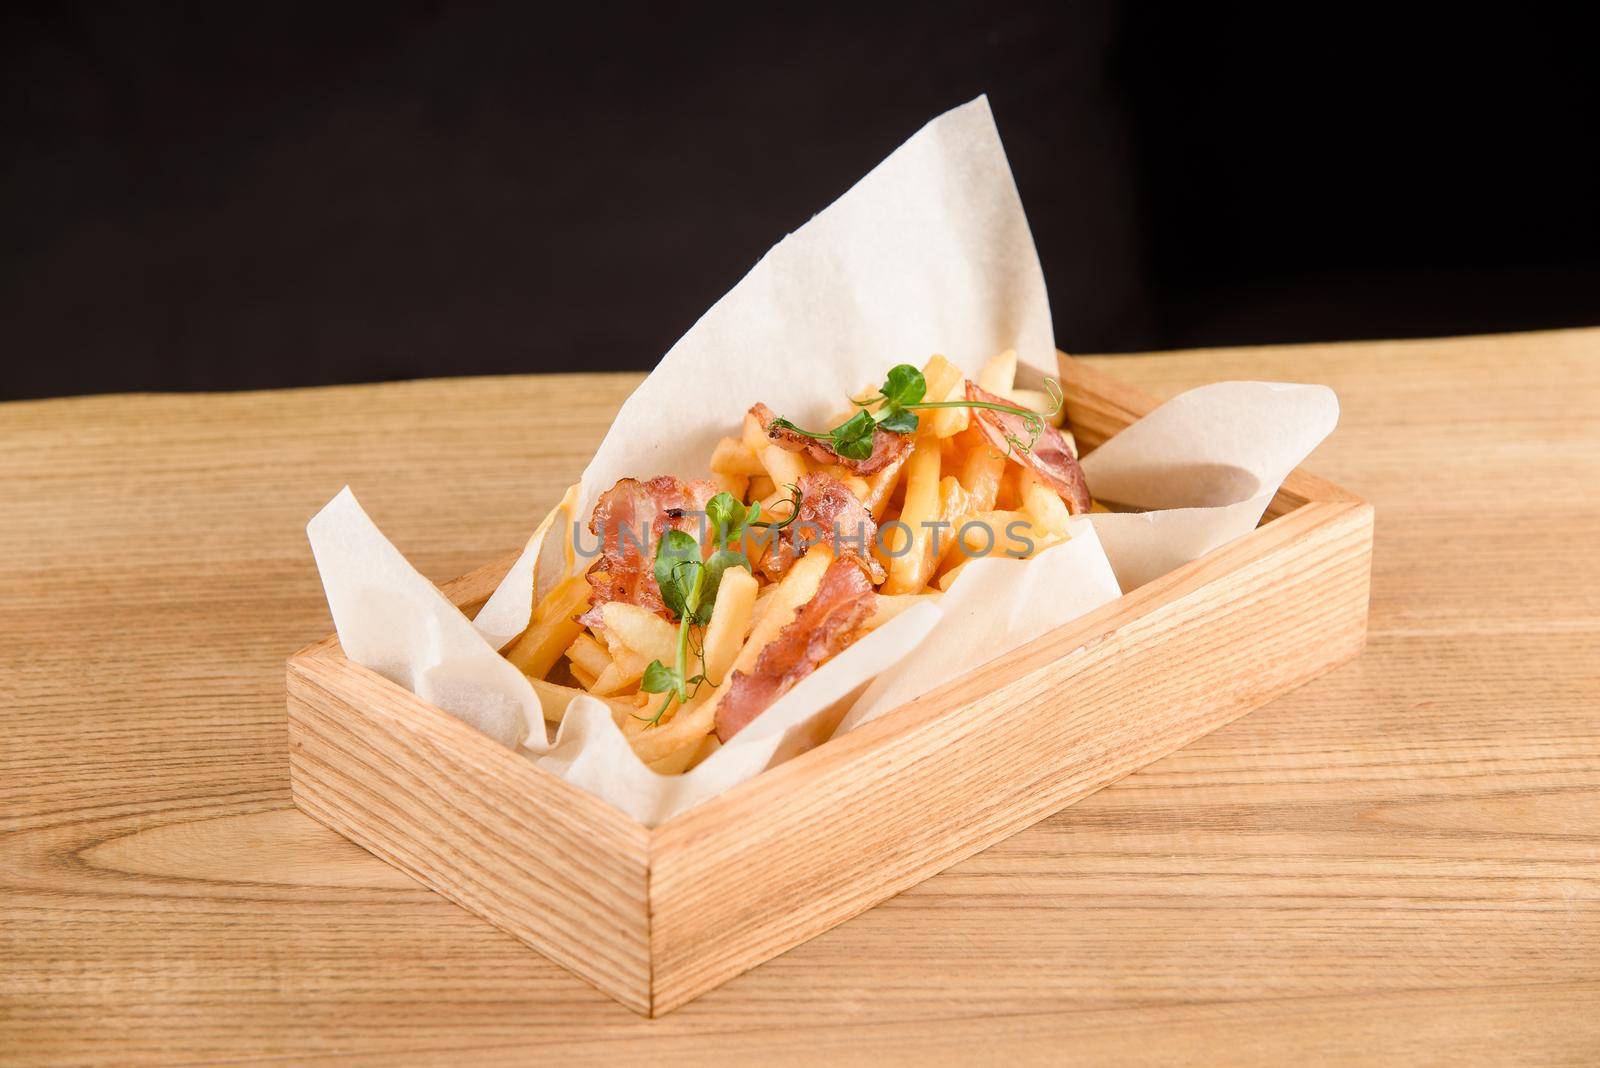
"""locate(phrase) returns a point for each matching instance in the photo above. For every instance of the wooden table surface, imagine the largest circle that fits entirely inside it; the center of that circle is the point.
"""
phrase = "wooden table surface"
(1399, 862)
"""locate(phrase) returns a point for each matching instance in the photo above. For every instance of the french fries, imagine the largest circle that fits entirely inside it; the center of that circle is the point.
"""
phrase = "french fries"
(1038, 401)
(587, 654)
(999, 374)
(911, 561)
(783, 467)
(950, 496)
(753, 434)
(730, 623)
(1043, 504)
(944, 383)
(552, 629)
(981, 472)
(881, 487)
(736, 485)
(554, 699)
(639, 630)
(948, 579)
(734, 457)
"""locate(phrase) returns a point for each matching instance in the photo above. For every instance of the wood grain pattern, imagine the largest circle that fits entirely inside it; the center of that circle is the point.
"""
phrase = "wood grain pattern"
(1393, 864)
(481, 824)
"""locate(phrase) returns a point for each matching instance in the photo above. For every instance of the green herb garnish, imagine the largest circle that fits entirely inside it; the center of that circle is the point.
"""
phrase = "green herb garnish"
(898, 401)
(689, 587)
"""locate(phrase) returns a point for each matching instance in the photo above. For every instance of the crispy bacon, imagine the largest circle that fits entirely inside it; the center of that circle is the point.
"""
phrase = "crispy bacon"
(829, 514)
(822, 628)
(629, 518)
(1050, 458)
(887, 446)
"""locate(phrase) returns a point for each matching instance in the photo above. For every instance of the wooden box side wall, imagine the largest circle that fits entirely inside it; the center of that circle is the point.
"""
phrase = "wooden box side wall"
(815, 841)
(479, 823)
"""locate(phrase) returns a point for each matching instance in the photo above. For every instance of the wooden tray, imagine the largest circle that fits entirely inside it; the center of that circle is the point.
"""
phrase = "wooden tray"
(657, 917)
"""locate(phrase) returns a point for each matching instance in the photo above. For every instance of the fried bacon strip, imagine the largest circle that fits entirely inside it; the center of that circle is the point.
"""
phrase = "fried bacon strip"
(829, 514)
(1050, 458)
(822, 628)
(887, 446)
(629, 519)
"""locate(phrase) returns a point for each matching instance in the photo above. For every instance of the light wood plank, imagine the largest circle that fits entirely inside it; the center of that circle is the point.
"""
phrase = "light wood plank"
(1395, 863)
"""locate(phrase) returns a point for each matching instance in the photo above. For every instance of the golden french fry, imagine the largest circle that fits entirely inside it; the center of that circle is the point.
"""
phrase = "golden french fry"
(736, 485)
(730, 622)
(753, 434)
(763, 601)
(1009, 495)
(618, 676)
(945, 382)
(760, 488)
(734, 457)
(798, 585)
(980, 473)
(1038, 401)
(948, 579)
(687, 725)
(910, 562)
(640, 630)
(589, 655)
(554, 699)
(881, 486)
(1044, 505)
(776, 505)
(991, 533)
(708, 745)
(585, 679)
(551, 629)
(954, 504)
(999, 374)
(783, 467)
(950, 454)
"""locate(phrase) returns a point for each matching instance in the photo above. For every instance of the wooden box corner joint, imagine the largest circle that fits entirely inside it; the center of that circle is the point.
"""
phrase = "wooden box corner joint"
(656, 917)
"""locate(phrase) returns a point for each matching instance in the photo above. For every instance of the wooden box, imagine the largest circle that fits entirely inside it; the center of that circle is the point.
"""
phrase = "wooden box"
(657, 917)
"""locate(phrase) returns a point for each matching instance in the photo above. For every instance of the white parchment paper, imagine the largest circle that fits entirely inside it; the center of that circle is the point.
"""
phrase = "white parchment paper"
(930, 252)
(1204, 465)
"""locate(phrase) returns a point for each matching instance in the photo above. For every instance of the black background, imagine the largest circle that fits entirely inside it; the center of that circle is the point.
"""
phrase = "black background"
(225, 197)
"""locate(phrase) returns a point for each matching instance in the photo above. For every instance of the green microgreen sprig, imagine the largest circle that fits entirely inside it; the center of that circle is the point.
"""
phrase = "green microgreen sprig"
(689, 587)
(898, 401)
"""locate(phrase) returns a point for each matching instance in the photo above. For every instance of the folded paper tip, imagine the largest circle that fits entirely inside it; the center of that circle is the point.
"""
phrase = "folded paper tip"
(340, 502)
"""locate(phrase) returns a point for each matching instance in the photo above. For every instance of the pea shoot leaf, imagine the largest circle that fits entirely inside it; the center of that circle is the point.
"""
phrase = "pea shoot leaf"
(658, 678)
(899, 421)
(904, 386)
(678, 571)
(720, 561)
(852, 438)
